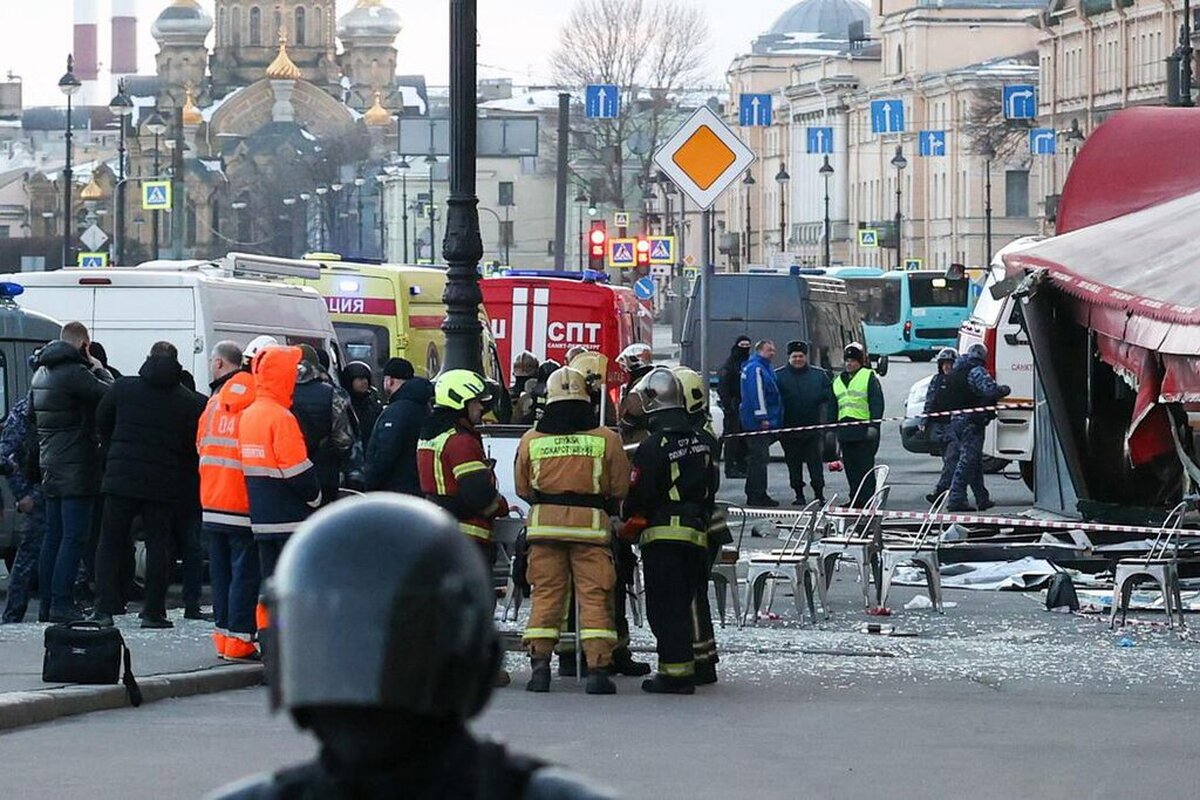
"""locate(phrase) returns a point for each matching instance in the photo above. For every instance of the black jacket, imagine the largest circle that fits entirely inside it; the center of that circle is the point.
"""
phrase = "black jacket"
(729, 380)
(392, 454)
(861, 433)
(807, 395)
(674, 449)
(324, 420)
(148, 426)
(65, 391)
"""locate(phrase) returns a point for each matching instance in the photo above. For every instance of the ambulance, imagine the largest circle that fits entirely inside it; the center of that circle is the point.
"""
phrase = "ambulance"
(548, 313)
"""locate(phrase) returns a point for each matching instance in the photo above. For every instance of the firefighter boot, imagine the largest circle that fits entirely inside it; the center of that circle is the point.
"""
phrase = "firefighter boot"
(663, 684)
(598, 682)
(567, 667)
(705, 674)
(539, 681)
(623, 664)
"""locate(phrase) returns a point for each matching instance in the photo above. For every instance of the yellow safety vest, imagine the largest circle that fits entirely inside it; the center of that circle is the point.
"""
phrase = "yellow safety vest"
(854, 400)
(577, 446)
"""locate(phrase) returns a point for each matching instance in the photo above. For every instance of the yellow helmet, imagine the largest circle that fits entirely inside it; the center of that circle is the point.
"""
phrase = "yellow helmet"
(456, 388)
(695, 393)
(566, 384)
(592, 364)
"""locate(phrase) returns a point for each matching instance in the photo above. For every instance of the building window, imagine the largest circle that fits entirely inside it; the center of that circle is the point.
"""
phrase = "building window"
(222, 27)
(255, 26)
(319, 13)
(1016, 193)
(301, 35)
(5, 231)
(899, 58)
(215, 215)
(235, 26)
(506, 197)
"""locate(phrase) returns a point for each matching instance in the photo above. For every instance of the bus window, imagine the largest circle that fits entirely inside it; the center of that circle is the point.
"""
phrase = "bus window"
(877, 298)
(366, 343)
(935, 291)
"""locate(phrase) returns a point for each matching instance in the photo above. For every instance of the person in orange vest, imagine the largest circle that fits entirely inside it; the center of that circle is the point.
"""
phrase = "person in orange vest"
(232, 556)
(282, 484)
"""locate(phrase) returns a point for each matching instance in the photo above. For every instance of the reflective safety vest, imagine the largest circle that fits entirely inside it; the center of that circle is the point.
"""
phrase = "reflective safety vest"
(223, 494)
(567, 484)
(443, 461)
(673, 529)
(853, 400)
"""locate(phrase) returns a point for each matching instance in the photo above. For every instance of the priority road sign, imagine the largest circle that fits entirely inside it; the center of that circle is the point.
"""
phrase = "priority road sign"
(755, 111)
(1042, 142)
(93, 260)
(1020, 101)
(621, 219)
(622, 253)
(644, 288)
(868, 237)
(704, 157)
(662, 249)
(602, 101)
(156, 196)
(913, 264)
(820, 140)
(93, 238)
(931, 143)
(887, 116)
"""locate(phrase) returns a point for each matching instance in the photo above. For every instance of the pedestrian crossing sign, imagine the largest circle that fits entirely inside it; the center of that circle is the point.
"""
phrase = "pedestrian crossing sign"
(913, 264)
(622, 253)
(93, 260)
(156, 196)
(868, 237)
(662, 249)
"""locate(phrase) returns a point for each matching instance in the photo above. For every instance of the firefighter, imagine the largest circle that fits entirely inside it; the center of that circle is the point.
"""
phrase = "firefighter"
(386, 667)
(859, 398)
(574, 474)
(670, 505)
(637, 360)
(594, 367)
(704, 641)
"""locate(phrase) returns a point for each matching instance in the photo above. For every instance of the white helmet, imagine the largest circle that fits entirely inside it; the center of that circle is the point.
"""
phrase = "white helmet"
(259, 343)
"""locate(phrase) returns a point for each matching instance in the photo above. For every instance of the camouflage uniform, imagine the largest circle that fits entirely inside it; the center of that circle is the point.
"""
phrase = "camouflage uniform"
(967, 430)
(17, 428)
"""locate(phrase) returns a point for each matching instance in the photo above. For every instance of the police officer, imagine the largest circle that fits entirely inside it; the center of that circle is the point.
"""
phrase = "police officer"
(574, 474)
(670, 505)
(970, 385)
(386, 666)
(937, 428)
(859, 398)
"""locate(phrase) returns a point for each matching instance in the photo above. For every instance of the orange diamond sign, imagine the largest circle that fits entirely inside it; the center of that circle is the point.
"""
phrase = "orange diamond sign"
(704, 157)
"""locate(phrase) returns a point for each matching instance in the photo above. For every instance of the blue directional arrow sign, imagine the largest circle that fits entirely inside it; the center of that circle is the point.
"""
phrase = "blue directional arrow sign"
(887, 116)
(754, 110)
(1042, 142)
(1020, 101)
(644, 288)
(820, 140)
(931, 143)
(603, 101)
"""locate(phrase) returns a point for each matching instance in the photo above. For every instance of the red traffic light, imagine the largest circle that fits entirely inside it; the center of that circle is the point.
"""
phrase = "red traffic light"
(643, 252)
(597, 244)
(598, 237)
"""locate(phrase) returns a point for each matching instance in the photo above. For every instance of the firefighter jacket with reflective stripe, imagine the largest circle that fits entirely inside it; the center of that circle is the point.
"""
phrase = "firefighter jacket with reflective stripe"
(281, 482)
(456, 474)
(571, 481)
(675, 481)
(222, 484)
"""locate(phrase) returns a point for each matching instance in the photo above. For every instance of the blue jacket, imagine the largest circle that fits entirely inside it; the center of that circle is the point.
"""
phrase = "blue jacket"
(760, 395)
(16, 448)
(971, 385)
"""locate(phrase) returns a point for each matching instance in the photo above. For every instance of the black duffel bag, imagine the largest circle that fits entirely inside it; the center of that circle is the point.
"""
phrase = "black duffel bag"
(84, 652)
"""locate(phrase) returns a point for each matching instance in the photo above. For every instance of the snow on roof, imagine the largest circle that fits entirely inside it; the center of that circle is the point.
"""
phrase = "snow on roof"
(525, 100)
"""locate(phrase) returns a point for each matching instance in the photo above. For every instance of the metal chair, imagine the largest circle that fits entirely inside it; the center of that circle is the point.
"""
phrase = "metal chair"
(724, 576)
(1161, 565)
(794, 563)
(859, 540)
(917, 552)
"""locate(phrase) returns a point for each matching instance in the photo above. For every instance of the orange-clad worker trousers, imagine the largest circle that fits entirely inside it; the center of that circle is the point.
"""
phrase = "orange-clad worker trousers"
(551, 565)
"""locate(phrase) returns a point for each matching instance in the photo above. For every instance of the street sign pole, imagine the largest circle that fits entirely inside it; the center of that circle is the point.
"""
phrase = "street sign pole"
(706, 273)
(560, 189)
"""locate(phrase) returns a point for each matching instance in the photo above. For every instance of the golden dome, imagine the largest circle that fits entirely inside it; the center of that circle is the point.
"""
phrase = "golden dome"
(377, 116)
(191, 114)
(92, 192)
(283, 68)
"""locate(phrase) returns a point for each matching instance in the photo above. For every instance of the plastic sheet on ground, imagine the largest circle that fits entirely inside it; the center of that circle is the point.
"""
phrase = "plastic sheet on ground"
(1141, 600)
(990, 576)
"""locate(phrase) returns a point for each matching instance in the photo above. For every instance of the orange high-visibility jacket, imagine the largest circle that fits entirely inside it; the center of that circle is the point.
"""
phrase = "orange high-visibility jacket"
(222, 484)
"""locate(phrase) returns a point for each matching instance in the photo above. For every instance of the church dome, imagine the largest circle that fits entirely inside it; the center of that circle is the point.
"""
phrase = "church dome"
(369, 19)
(828, 17)
(182, 21)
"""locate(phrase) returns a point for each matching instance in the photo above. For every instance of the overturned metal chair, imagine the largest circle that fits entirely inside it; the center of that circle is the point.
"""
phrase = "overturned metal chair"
(918, 551)
(724, 577)
(1161, 566)
(859, 539)
(795, 563)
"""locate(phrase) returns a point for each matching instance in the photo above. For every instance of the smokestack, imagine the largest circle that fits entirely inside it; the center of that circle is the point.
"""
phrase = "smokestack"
(124, 40)
(87, 55)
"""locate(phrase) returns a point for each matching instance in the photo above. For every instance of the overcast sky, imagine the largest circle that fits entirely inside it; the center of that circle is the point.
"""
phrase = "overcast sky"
(516, 37)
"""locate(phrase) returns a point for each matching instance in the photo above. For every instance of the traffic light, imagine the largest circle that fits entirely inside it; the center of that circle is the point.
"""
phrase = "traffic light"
(643, 252)
(597, 244)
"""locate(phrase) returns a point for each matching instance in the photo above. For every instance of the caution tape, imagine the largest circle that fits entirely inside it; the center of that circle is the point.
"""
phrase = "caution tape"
(859, 422)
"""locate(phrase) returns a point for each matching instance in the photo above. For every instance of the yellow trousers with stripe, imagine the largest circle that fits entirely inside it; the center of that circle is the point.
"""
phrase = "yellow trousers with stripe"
(553, 566)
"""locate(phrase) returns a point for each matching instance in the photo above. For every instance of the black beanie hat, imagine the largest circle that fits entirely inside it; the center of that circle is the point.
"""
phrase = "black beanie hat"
(797, 346)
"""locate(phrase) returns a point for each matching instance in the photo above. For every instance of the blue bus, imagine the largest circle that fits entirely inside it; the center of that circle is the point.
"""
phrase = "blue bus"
(912, 314)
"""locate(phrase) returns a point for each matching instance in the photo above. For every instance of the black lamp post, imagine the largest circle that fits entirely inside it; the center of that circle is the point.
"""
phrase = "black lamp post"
(358, 186)
(157, 126)
(748, 182)
(68, 84)
(324, 226)
(337, 228)
(989, 154)
(404, 167)
(782, 179)
(826, 172)
(899, 162)
(120, 107)
(1185, 57)
(581, 200)
(431, 161)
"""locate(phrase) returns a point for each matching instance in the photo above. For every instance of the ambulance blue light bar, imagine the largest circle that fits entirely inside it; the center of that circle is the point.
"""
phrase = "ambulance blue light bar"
(588, 275)
(10, 289)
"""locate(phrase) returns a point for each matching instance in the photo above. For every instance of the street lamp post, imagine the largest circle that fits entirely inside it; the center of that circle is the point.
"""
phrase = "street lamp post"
(1185, 57)
(120, 107)
(358, 185)
(68, 84)
(321, 192)
(431, 161)
(899, 162)
(157, 126)
(404, 168)
(289, 204)
(581, 200)
(464, 245)
(782, 179)
(337, 226)
(826, 172)
(748, 182)
(989, 154)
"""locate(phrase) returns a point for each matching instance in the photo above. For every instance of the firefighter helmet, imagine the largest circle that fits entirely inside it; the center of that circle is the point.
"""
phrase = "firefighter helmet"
(456, 388)
(592, 364)
(417, 637)
(695, 393)
(636, 355)
(566, 384)
(660, 390)
(256, 344)
(525, 365)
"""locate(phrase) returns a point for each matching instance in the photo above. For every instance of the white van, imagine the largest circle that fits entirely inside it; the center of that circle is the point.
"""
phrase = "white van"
(192, 304)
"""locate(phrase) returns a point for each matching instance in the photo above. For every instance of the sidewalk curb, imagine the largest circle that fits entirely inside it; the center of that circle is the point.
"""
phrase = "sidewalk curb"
(20, 709)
